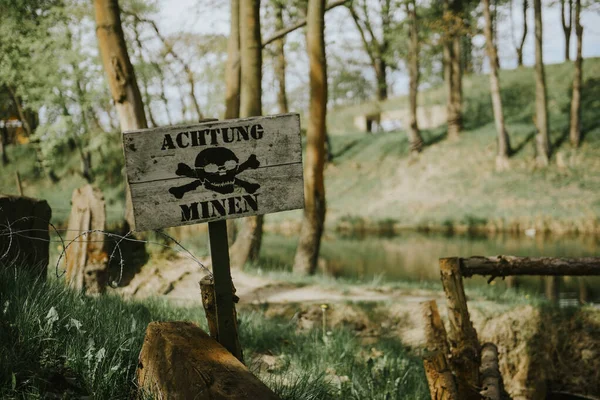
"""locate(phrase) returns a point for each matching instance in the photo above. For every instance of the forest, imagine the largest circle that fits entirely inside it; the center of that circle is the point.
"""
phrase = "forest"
(300, 199)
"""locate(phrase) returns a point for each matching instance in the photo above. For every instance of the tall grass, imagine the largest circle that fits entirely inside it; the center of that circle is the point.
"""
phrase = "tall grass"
(57, 343)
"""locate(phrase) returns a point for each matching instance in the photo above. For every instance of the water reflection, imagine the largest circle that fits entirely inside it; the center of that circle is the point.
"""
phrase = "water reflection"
(414, 257)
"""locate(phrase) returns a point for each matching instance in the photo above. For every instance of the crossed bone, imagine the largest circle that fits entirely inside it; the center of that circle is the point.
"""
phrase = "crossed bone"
(185, 170)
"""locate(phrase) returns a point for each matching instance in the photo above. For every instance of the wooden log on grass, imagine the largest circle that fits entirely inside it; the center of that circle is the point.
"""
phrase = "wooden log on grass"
(492, 385)
(180, 361)
(510, 265)
(439, 377)
(464, 345)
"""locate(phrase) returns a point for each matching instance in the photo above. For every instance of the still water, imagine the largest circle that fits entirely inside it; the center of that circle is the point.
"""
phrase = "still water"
(413, 257)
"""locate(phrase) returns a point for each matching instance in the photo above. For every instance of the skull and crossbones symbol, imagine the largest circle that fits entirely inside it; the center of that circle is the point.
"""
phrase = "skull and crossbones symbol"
(216, 168)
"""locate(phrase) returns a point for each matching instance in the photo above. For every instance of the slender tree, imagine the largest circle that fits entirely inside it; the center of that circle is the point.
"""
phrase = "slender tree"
(519, 46)
(233, 66)
(309, 243)
(541, 101)
(503, 139)
(414, 136)
(280, 66)
(567, 24)
(452, 69)
(376, 48)
(3, 143)
(575, 123)
(120, 73)
(247, 245)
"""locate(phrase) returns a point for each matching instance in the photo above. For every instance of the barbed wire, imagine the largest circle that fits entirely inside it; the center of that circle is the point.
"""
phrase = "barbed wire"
(7, 230)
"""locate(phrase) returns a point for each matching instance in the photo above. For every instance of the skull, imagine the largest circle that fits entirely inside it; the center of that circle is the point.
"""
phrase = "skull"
(217, 167)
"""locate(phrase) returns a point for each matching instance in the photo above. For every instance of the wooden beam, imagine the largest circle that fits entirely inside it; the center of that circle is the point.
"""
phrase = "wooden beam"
(464, 345)
(435, 332)
(439, 377)
(510, 265)
(299, 24)
(492, 386)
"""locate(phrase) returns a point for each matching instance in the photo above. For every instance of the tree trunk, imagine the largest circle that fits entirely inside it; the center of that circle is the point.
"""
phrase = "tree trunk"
(3, 144)
(309, 243)
(120, 73)
(247, 246)
(541, 101)
(414, 137)
(144, 81)
(381, 75)
(566, 27)
(575, 123)
(232, 68)
(452, 75)
(503, 139)
(522, 44)
(280, 66)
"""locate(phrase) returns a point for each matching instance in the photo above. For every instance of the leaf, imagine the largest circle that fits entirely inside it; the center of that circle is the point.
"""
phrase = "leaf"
(13, 381)
(73, 323)
(52, 316)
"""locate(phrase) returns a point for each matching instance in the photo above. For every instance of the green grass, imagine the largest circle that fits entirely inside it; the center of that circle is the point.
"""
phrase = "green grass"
(56, 342)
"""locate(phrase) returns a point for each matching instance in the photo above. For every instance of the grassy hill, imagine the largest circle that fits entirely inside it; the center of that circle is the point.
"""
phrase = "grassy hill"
(375, 182)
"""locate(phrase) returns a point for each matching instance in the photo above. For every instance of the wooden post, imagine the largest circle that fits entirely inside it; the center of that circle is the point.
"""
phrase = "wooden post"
(224, 297)
(207, 289)
(492, 386)
(551, 288)
(435, 332)
(18, 181)
(464, 345)
(439, 378)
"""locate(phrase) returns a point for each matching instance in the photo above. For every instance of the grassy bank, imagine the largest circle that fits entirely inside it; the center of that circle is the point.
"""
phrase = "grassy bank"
(56, 342)
(374, 184)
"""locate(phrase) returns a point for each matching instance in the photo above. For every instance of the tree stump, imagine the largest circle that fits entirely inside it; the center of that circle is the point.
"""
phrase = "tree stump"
(180, 361)
(439, 377)
(24, 236)
(87, 261)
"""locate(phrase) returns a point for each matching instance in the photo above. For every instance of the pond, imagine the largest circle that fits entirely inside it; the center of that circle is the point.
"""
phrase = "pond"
(413, 257)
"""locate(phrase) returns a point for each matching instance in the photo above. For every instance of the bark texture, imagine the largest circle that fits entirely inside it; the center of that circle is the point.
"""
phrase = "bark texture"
(435, 332)
(87, 261)
(492, 386)
(464, 345)
(503, 139)
(439, 377)
(414, 136)
(280, 65)
(499, 266)
(541, 101)
(575, 122)
(180, 361)
(309, 243)
(247, 245)
(121, 76)
(233, 66)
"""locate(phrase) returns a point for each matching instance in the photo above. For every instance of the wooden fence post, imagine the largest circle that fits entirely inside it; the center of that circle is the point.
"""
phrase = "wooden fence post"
(207, 289)
(86, 258)
(435, 332)
(224, 296)
(492, 386)
(464, 345)
(439, 377)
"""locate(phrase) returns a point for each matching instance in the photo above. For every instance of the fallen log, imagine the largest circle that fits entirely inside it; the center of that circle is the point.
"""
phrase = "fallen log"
(180, 361)
(492, 386)
(499, 266)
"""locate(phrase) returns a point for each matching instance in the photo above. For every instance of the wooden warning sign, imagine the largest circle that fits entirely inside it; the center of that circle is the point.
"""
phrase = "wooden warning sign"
(189, 174)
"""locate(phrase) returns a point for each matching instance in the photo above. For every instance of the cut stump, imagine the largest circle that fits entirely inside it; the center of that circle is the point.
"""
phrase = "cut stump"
(180, 361)
(24, 236)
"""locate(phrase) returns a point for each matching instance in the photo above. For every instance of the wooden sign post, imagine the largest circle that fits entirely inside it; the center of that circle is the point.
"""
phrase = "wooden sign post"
(210, 172)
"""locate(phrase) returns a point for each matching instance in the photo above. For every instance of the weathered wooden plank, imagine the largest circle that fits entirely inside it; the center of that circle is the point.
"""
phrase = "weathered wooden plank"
(154, 207)
(510, 265)
(214, 170)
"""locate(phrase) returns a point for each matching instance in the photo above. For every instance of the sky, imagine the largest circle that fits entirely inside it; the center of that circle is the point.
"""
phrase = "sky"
(212, 16)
